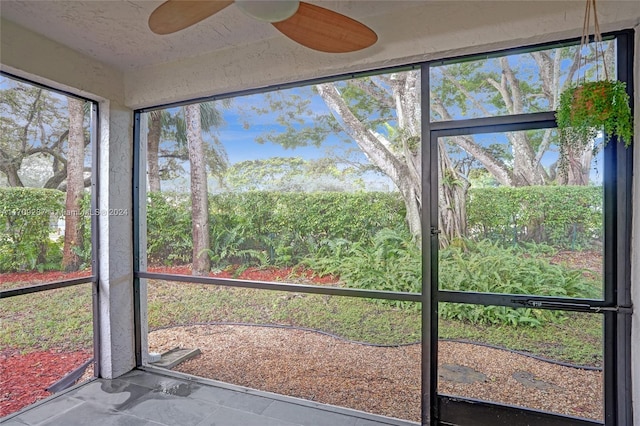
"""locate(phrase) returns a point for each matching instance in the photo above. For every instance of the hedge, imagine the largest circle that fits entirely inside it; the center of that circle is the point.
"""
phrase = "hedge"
(26, 215)
(568, 217)
(284, 227)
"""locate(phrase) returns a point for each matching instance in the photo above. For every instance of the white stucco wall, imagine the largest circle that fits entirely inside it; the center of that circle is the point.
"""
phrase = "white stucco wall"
(117, 348)
(27, 54)
(31, 56)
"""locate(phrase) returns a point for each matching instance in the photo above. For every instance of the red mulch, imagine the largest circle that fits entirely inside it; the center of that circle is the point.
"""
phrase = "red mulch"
(30, 278)
(272, 274)
(256, 274)
(24, 377)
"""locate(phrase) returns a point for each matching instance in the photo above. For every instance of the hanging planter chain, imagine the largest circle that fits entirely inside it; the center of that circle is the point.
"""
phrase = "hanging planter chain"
(597, 38)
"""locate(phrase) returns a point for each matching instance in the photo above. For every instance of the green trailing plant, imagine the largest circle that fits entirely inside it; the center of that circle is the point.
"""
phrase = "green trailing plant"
(588, 107)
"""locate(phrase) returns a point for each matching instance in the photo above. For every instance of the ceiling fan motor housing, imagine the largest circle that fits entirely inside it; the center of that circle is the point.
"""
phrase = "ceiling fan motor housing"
(269, 11)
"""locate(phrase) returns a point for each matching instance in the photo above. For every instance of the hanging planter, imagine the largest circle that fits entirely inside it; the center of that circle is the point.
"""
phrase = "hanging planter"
(588, 107)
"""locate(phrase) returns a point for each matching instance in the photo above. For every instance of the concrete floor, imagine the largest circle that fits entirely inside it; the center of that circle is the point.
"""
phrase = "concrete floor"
(158, 397)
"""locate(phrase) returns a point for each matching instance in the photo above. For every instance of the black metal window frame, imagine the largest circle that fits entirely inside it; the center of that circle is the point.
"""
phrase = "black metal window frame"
(95, 247)
(139, 252)
(616, 306)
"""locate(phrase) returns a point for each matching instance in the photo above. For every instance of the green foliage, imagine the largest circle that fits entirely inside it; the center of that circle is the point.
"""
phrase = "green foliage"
(284, 228)
(228, 247)
(388, 260)
(289, 226)
(588, 107)
(292, 174)
(487, 267)
(300, 124)
(25, 221)
(266, 227)
(84, 252)
(567, 217)
(169, 229)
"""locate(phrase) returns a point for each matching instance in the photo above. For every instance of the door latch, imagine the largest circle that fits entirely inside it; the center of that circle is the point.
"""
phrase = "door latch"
(580, 307)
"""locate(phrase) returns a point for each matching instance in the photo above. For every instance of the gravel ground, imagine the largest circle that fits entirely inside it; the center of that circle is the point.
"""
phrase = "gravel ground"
(381, 380)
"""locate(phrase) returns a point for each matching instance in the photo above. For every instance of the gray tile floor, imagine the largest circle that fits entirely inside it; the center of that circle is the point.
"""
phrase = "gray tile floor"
(156, 397)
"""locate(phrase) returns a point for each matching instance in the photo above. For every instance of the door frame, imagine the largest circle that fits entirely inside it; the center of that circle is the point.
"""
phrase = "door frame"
(615, 307)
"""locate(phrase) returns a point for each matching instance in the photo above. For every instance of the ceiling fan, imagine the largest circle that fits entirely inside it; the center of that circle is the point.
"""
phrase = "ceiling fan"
(312, 26)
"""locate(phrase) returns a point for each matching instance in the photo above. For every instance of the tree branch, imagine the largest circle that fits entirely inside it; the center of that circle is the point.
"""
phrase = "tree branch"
(371, 89)
(30, 117)
(496, 167)
(500, 87)
(513, 86)
(46, 150)
(464, 91)
(375, 148)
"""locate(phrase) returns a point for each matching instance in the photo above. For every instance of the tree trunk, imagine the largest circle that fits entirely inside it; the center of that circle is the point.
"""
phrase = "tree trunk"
(402, 168)
(452, 200)
(75, 186)
(527, 170)
(153, 145)
(411, 194)
(11, 172)
(199, 192)
(575, 166)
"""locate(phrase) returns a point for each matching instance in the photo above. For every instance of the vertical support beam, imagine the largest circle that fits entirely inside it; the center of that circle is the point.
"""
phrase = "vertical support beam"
(635, 242)
(140, 131)
(624, 207)
(116, 242)
(429, 364)
(95, 236)
(434, 238)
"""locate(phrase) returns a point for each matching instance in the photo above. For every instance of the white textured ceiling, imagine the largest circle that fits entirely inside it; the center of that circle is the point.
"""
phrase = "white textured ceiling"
(115, 32)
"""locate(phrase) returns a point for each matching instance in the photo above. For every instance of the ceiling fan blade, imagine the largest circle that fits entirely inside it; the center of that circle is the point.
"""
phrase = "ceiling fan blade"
(175, 15)
(325, 30)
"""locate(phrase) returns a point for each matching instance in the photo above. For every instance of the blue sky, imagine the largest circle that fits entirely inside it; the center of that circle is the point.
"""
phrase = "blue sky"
(240, 141)
(243, 126)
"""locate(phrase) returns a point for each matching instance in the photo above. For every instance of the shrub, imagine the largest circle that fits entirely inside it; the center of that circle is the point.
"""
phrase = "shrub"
(567, 217)
(25, 221)
(388, 261)
(287, 227)
(169, 229)
(487, 267)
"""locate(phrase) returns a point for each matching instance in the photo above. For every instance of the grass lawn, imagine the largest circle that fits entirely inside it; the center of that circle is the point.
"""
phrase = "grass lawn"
(576, 340)
(62, 319)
